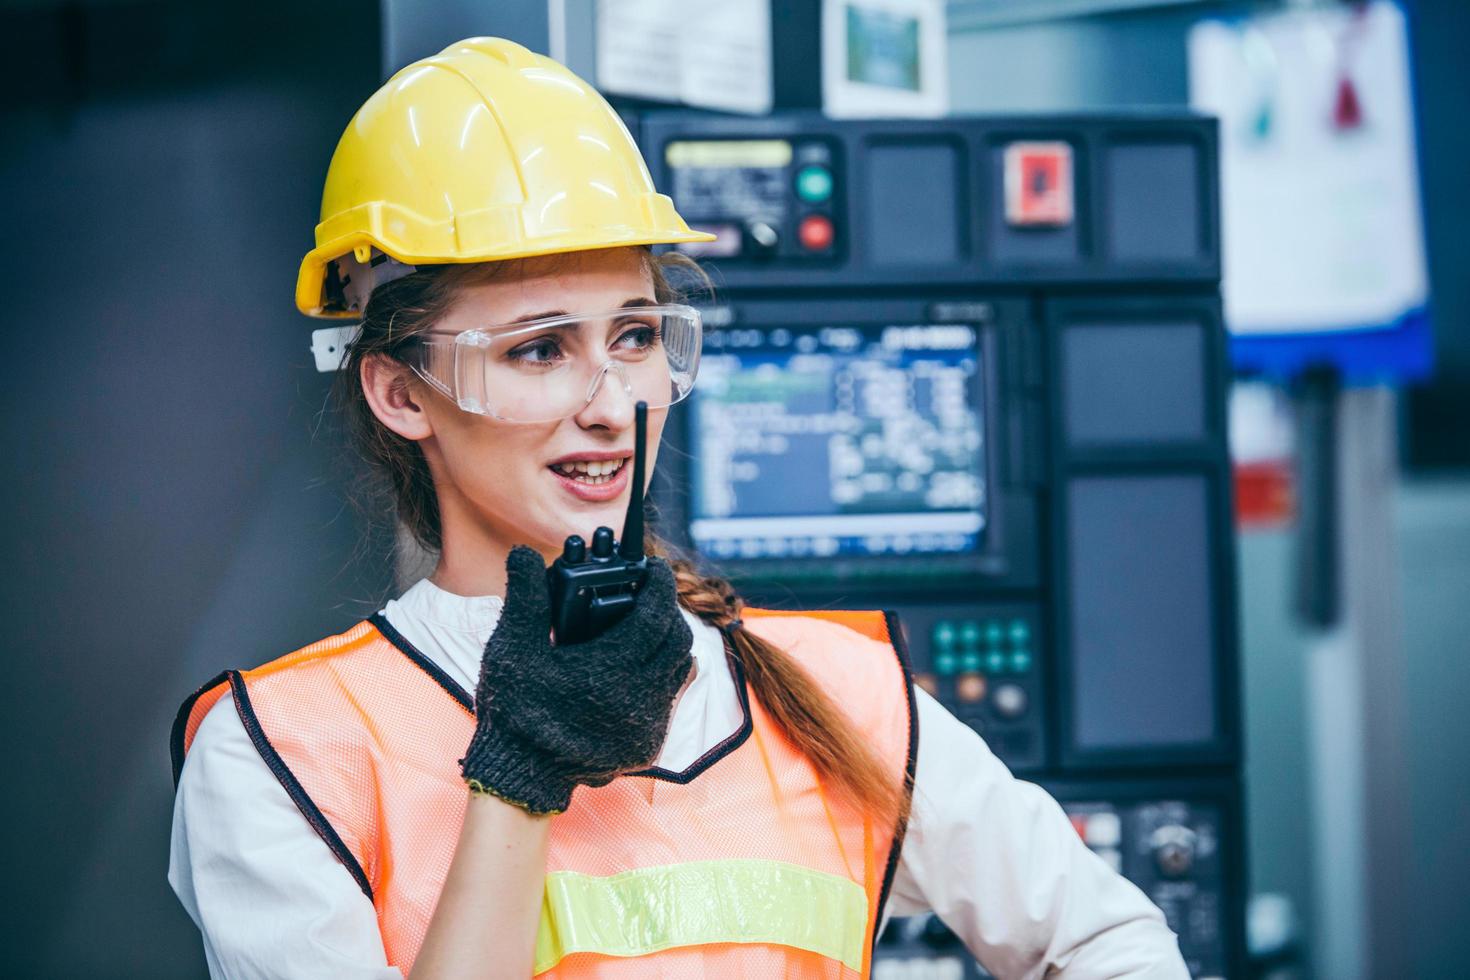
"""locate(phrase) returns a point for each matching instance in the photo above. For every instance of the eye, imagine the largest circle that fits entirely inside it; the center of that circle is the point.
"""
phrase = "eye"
(639, 336)
(541, 350)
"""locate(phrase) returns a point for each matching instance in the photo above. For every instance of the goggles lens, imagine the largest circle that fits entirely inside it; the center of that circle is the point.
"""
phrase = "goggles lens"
(549, 369)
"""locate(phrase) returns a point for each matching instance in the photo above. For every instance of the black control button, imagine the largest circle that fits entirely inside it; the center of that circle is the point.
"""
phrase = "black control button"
(575, 549)
(602, 543)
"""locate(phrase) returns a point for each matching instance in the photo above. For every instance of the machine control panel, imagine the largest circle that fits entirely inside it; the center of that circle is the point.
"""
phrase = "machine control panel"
(909, 399)
(982, 662)
(803, 202)
(763, 199)
(1170, 849)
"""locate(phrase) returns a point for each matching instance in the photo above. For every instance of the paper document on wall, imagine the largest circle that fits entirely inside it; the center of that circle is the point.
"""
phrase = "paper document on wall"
(1319, 181)
(715, 54)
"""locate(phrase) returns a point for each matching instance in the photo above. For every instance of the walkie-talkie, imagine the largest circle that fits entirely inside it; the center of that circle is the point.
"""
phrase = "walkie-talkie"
(590, 592)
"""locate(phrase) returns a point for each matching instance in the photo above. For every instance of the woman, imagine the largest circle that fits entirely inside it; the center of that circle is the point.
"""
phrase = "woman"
(701, 789)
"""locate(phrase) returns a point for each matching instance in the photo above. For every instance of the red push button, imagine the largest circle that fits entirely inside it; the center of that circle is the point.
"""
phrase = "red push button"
(815, 233)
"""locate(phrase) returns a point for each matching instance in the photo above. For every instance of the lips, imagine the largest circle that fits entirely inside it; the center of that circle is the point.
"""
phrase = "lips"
(593, 477)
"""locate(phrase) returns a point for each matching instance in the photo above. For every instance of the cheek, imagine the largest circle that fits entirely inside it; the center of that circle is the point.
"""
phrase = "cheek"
(493, 465)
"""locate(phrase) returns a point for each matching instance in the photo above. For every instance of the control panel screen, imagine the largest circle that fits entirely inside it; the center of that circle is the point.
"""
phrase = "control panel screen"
(815, 442)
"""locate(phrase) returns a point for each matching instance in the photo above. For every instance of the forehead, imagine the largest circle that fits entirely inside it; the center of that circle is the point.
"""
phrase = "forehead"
(577, 282)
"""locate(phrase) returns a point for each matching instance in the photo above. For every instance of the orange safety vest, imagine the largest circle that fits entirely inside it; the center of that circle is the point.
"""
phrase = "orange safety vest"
(739, 866)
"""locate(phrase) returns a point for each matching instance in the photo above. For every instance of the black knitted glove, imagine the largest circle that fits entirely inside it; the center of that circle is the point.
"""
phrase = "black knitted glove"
(549, 718)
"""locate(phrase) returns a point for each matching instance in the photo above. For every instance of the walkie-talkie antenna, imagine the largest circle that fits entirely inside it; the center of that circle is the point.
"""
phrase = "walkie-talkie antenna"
(631, 545)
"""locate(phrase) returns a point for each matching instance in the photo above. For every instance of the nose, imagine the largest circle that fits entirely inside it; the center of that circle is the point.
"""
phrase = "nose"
(609, 399)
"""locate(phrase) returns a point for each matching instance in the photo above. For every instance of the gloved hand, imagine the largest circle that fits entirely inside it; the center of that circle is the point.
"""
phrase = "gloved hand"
(549, 718)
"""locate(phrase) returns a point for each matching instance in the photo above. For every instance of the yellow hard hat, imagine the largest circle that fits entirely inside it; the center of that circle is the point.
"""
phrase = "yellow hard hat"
(485, 151)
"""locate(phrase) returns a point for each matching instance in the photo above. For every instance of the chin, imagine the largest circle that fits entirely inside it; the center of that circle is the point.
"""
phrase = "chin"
(554, 533)
(604, 517)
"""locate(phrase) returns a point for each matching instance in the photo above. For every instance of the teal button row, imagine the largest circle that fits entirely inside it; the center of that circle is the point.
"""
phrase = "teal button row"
(969, 634)
(948, 662)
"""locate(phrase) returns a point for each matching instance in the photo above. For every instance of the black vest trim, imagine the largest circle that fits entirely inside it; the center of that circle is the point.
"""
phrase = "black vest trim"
(400, 642)
(293, 787)
(313, 814)
(901, 650)
(181, 723)
(722, 748)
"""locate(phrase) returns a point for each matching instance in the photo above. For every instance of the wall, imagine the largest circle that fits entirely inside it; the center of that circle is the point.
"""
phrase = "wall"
(171, 503)
(1433, 517)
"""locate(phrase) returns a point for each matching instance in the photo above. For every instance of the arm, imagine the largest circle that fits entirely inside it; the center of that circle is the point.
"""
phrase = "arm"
(999, 862)
(485, 922)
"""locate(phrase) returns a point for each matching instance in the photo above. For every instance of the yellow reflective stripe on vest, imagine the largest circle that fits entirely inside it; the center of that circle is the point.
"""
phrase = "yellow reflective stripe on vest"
(736, 901)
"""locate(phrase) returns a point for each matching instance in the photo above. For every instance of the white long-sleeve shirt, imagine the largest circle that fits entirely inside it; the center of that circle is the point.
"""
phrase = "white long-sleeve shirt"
(994, 857)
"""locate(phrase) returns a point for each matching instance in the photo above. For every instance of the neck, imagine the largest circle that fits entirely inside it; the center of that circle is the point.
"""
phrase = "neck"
(472, 557)
(458, 574)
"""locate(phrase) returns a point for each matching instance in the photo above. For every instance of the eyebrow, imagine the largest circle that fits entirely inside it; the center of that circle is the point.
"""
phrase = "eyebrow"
(547, 314)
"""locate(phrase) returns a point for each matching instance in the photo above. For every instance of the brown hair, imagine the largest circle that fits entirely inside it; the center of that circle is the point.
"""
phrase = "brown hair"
(405, 307)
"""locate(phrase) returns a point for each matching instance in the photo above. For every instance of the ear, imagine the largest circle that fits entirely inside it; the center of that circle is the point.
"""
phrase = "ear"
(394, 394)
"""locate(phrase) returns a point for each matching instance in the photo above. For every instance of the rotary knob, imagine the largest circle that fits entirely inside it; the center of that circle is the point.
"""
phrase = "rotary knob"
(1173, 848)
(761, 238)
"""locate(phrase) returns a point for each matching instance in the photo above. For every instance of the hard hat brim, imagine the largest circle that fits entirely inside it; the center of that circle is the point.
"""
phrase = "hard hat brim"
(311, 280)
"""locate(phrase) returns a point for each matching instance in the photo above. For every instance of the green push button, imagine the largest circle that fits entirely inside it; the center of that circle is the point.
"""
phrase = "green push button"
(970, 662)
(943, 636)
(945, 663)
(814, 184)
(969, 635)
(1020, 632)
(994, 634)
(1021, 661)
(996, 662)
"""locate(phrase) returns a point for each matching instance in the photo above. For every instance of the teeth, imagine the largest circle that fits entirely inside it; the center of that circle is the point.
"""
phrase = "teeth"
(590, 471)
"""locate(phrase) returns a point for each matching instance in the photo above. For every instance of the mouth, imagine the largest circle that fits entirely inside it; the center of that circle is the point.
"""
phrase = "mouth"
(594, 477)
(590, 472)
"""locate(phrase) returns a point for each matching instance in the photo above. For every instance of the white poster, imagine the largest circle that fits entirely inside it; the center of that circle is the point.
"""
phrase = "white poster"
(715, 54)
(884, 58)
(1319, 178)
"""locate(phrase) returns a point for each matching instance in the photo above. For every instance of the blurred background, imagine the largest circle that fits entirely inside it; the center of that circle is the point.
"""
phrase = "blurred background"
(177, 499)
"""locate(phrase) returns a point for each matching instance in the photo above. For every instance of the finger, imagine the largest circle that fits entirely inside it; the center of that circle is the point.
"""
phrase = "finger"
(527, 598)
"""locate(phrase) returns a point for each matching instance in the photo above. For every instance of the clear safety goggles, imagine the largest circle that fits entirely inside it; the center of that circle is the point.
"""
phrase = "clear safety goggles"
(552, 368)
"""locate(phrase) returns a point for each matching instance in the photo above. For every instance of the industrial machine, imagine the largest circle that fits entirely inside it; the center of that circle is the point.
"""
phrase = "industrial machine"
(973, 370)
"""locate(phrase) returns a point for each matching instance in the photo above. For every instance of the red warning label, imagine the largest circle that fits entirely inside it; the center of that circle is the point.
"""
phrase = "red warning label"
(1039, 184)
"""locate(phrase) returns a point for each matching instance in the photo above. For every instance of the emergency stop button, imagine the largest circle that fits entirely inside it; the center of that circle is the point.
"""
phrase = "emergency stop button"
(815, 233)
